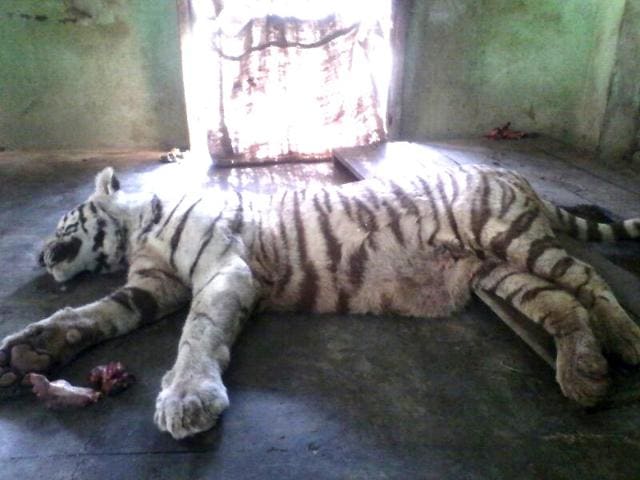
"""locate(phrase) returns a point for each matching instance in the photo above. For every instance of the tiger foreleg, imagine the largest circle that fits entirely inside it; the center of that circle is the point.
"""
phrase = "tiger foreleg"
(54, 341)
(581, 369)
(193, 394)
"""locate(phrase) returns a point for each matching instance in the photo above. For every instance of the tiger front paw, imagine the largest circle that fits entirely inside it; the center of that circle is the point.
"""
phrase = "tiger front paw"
(37, 348)
(187, 407)
(581, 369)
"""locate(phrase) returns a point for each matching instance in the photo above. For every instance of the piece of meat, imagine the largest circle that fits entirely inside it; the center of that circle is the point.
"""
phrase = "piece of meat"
(111, 378)
(505, 133)
(60, 393)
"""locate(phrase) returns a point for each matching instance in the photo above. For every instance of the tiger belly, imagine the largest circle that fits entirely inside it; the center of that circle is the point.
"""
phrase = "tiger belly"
(432, 282)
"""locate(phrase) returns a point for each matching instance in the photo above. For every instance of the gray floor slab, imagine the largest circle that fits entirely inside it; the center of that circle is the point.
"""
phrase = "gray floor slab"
(332, 397)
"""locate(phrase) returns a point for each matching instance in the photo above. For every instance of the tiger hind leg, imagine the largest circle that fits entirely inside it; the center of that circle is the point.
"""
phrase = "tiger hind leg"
(616, 331)
(581, 369)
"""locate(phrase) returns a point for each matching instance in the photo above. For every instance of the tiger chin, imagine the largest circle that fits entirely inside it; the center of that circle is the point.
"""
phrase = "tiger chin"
(416, 246)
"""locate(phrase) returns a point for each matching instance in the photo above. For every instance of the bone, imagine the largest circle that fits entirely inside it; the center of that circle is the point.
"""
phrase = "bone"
(60, 393)
(25, 359)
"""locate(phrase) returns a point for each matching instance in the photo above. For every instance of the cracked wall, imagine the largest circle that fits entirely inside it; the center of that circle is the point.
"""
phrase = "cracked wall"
(90, 74)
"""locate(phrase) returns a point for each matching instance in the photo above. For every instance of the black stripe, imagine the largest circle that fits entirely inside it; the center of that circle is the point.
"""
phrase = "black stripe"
(82, 218)
(144, 303)
(211, 279)
(342, 303)
(367, 221)
(560, 217)
(309, 285)
(121, 297)
(619, 231)
(156, 216)
(593, 231)
(506, 199)
(434, 209)
(238, 220)
(101, 263)
(345, 205)
(561, 267)
(495, 287)
(207, 239)
(98, 238)
(175, 238)
(455, 187)
(263, 249)
(500, 243)
(448, 210)
(157, 274)
(334, 250)
(539, 247)
(394, 222)
(573, 225)
(276, 252)
(509, 298)
(122, 234)
(372, 197)
(327, 201)
(589, 273)
(534, 292)
(138, 300)
(170, 216)
(405, 201)
(485, 270)
(480, 211)
(288, 270)
(357, 267)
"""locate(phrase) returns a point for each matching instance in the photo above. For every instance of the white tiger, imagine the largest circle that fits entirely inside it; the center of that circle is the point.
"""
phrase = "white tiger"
(413, 247)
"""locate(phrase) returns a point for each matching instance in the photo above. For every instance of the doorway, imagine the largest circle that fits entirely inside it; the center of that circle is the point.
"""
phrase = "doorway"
(285, 80)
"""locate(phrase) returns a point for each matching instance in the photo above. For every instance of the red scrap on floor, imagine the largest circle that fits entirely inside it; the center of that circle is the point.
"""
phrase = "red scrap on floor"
(505, 133)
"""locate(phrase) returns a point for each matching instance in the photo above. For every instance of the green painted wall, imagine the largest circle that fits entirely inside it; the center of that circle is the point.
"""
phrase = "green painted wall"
(544, 65)
(620, 133)
(111, 80)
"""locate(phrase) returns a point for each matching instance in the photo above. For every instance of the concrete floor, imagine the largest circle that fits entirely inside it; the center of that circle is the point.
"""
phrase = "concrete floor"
(322, 397)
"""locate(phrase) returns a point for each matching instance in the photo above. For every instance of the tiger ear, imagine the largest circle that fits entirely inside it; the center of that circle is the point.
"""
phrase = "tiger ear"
(106, 182)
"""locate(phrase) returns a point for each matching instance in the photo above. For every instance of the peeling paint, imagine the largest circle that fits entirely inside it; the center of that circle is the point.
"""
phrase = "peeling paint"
(98, 12)
(70, 82)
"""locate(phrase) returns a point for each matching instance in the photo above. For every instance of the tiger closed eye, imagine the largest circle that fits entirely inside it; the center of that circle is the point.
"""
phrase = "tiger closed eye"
(71, 229)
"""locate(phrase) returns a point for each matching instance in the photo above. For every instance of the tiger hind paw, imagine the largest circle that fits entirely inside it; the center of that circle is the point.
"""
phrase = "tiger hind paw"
(620, 337)
(581, 369)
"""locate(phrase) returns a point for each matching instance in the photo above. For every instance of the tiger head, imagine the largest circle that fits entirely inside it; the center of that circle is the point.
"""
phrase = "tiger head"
(89, 237)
